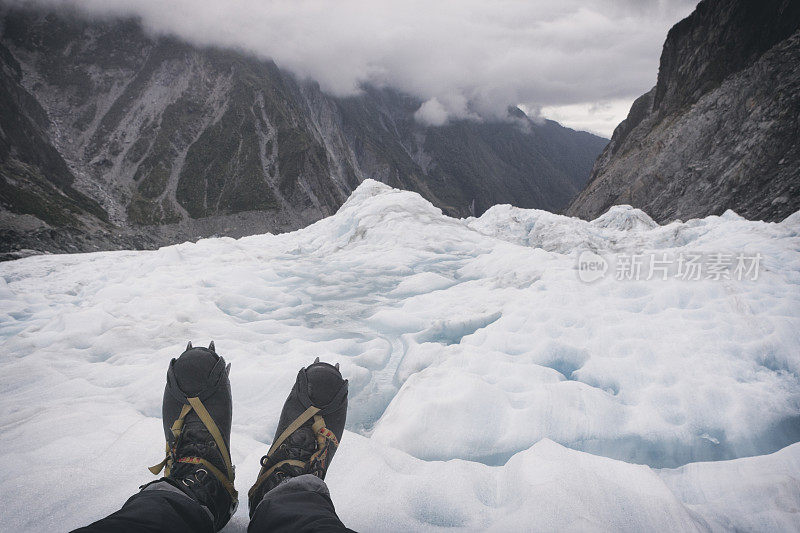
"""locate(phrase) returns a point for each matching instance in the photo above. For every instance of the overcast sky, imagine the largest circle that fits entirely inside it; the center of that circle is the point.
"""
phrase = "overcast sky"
(581, 63)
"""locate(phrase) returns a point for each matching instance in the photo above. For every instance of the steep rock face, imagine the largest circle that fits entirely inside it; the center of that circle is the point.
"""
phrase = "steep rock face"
(176, 142)
(161, 131)
(36, 186)
(720, 129)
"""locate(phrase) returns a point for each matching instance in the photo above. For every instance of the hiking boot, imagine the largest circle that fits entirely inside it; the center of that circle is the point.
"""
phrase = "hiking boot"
(196, 413)
(309, 430)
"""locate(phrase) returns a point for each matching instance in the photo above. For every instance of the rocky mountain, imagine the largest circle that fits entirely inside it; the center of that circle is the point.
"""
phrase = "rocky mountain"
(111, 138)
(720, 129)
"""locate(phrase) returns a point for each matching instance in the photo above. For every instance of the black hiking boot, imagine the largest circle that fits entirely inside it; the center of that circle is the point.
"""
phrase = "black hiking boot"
(196, 412)
(309, 430)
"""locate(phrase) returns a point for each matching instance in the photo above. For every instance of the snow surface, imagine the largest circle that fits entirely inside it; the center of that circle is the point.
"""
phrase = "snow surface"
(490, 387)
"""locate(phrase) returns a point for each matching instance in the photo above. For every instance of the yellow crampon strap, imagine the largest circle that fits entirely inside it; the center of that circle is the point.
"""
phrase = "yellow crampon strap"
(294, 426)
(264, 475)
(321, 433)
(214, 470)
(177, 427)
(201, 411)
(155, 469)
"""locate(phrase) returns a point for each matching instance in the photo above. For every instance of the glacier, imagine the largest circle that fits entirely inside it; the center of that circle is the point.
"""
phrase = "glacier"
(490, 388)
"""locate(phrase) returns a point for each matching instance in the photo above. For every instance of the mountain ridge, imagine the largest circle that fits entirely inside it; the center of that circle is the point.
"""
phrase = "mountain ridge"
(176, 142)
(719, 129)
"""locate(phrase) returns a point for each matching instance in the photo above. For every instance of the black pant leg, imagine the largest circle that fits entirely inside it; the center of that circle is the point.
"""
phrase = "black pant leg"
(302, 504)
(158, 508)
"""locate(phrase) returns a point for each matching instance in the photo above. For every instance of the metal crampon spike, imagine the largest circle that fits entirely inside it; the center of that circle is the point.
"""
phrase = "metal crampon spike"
(189, 346)
(211, 347)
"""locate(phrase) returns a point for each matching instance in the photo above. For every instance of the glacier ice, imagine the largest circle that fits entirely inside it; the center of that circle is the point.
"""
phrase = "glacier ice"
(490, 387)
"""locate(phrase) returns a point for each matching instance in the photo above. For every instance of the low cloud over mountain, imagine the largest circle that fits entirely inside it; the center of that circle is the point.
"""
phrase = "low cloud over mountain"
(466, 58)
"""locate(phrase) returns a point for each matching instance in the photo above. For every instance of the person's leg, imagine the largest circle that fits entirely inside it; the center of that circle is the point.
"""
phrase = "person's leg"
(159, 507)
(290, 494)
(300, 504)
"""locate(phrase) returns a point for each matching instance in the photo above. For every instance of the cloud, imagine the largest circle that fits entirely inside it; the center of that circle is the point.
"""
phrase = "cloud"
(465, 58)
(432, 113)
(599, 118)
